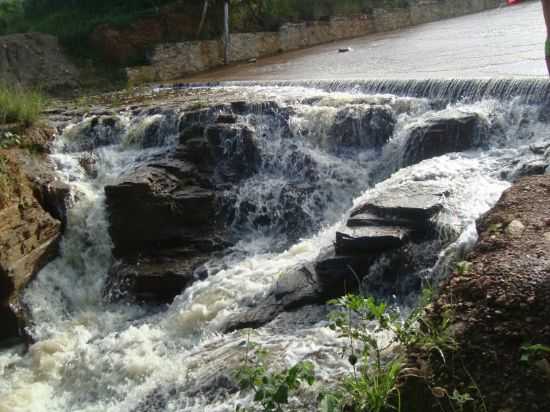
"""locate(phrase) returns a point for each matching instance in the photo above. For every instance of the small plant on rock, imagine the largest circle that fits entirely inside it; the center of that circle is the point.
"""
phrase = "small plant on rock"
(373, 384)
(272, 390)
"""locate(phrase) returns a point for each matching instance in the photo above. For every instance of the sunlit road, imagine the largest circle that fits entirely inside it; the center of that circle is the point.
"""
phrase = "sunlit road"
(506, 42)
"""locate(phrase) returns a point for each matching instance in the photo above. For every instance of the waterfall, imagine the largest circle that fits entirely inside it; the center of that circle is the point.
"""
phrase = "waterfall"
(314, 165)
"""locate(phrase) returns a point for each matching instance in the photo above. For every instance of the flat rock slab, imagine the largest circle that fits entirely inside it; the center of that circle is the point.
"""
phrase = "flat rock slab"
(370, 239)
(370, 219)
(416, 203)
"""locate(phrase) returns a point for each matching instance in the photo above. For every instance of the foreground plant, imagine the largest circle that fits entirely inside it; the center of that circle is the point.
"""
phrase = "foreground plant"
(373, 384)
(272, 390)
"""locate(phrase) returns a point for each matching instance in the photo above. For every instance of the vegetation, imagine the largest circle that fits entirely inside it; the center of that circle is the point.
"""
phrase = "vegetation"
(271, 390)
(73, 20)
(373, 382)
(20, 106)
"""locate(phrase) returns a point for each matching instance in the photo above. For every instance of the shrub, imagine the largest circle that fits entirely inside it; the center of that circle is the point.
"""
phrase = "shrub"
(20, 106)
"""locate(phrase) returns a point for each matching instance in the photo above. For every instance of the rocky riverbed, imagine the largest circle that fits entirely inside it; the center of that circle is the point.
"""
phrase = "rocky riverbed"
(213, 210)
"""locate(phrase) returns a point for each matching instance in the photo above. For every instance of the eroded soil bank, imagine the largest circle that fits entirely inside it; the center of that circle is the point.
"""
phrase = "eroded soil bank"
(498, 303)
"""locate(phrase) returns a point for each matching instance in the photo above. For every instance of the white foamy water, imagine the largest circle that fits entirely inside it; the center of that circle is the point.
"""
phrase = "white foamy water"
(91, 356)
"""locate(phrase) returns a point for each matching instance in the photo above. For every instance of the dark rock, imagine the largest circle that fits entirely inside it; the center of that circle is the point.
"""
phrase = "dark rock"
(342, 274)
(369, 219)
(156, 205)
(414, 204)
(157, 279)
(234, 151)
(370, 239)
(92, 133)
(195, 131)
(152, 133)
(226, 119)
(11, 327)
(440, 136)
(539, 148)
(362, 127)
(531, 168)
(54, 197)
(202, 116)
(293, 290)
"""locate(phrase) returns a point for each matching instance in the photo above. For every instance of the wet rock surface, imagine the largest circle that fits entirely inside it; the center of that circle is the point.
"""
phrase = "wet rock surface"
(444, 135)
(165, 218)
(379, 252)
(31, 224)
(357, 127)
(500, 303)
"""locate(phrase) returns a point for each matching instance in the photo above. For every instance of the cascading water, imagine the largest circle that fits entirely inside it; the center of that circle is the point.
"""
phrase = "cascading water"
(92, 355)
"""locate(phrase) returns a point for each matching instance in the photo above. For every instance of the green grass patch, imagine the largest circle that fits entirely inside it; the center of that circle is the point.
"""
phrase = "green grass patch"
(20, 106)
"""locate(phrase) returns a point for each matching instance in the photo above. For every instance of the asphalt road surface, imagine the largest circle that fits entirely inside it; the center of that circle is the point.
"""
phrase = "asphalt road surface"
(506, 42)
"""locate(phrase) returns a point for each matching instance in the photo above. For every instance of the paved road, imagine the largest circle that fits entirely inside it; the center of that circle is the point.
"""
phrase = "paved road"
(506, 42)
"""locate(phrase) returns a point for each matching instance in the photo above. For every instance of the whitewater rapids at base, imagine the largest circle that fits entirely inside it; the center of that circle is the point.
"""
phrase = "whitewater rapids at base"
(93, 356)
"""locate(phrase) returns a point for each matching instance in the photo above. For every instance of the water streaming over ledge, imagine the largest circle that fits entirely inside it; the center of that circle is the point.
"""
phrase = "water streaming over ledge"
(531, 91)
(93, 356)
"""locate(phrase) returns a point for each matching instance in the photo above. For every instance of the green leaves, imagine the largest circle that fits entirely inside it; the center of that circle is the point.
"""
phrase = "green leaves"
(272, 390)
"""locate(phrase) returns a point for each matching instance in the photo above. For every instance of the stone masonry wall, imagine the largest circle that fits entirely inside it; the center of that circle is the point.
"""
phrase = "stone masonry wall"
(176, 60)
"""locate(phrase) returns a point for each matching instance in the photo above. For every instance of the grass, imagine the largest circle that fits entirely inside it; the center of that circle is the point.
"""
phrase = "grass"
(20, 106)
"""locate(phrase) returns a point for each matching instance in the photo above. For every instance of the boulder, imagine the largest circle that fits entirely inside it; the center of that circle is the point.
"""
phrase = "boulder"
(343, 274)
(36, 60)
(29, 239)
(444, 135)
(155, 279)
(234, 151)
(531, 168)
(159, 204)
(93, 132)
(410, 205)
(294, 289)
(226, 150)
(361, 127)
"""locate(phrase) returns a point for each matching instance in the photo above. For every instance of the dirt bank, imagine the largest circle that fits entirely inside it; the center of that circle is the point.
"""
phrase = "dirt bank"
(498, 302)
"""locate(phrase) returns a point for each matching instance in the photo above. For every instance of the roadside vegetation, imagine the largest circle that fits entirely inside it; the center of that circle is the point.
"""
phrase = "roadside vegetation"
(73, 21)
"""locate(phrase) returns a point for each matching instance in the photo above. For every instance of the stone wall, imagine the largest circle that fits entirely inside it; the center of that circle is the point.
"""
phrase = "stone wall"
(176, 60)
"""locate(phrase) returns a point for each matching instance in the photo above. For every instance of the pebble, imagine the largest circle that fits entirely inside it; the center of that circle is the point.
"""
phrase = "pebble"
(515, 228)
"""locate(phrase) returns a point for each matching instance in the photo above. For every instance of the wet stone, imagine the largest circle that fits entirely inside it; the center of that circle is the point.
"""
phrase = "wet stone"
(362, 127)
(370, 239)
(444, 135)
(414, 204)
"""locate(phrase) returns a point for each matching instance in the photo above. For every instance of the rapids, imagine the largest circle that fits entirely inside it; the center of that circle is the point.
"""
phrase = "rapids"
(92, 356)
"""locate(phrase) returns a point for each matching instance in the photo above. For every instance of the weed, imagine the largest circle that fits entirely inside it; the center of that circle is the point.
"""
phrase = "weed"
(464, 268)
(373, 383)
(538, 356)
(20, 106)
(272, 390)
